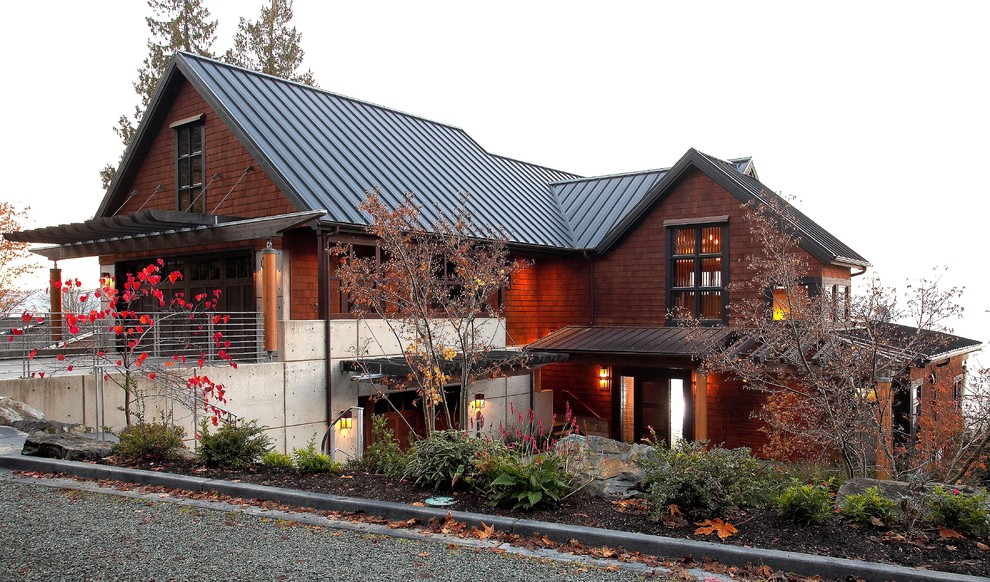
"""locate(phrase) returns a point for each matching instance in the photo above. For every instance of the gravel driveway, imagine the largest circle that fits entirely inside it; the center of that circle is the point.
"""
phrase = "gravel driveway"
(55, 534)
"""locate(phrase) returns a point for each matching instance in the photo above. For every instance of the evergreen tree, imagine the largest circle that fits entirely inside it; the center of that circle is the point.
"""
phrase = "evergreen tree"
(174, 25)
(270, 45)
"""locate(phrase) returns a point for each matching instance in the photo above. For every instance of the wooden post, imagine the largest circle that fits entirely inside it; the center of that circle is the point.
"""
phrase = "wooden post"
(700, 406)
(885, 440)
(269, 298)
(55, 297)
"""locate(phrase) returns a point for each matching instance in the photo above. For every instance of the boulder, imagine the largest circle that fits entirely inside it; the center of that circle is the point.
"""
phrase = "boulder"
(12, 411)
(605, 467)
(906, 494)
(66, 445)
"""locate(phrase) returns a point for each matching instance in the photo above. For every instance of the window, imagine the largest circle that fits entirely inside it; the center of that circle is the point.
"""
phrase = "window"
(189, 167)
(790, 305)
(697, 272)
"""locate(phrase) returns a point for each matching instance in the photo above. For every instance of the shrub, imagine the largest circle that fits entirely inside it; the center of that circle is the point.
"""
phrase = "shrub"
(276, 459)
(527, 483)
(705, 484)
(310, 461)
(449, 457)
(154, 441)
(383, 457)
(233, 445)
(868, 508)
(967, 514)
(806, 504)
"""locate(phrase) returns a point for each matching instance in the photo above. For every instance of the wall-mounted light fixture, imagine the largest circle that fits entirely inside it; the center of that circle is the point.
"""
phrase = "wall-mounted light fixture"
(604, 375)
(346, 422)
(478, 403)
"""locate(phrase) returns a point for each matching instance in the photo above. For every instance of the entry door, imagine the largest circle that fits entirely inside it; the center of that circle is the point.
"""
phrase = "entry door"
(650, 398)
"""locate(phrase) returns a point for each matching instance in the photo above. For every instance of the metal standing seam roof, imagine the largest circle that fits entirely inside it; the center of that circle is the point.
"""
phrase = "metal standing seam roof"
(324, 151)
(621, 340)
(328, 150)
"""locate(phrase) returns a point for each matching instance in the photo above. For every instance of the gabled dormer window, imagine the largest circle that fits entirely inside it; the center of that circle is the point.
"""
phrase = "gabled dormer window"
(190, 165)
(698, 271)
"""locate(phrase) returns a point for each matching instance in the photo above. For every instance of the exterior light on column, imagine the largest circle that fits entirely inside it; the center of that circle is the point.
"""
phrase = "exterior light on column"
(604, 376)
(478, 403)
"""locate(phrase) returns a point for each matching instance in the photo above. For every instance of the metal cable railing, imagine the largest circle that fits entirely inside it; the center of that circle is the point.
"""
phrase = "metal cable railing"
(193, 335)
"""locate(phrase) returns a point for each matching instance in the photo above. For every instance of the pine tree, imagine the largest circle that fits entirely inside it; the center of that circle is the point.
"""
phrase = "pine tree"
(270, 45)
(174, 25)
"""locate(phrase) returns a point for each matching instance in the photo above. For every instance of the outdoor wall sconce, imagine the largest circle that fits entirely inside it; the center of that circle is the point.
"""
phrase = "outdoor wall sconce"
(604, 375)
(478, 403)
(346, 422)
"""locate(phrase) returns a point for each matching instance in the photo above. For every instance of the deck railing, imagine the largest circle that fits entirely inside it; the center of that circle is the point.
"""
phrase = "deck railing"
(193, 335)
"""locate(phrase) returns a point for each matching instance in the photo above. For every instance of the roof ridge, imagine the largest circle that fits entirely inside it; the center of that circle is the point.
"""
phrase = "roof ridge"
(324, 91)
(608, 176)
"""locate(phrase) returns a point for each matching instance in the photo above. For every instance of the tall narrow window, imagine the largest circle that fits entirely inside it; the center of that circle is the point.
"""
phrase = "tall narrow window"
(698, 272)
(189, 168)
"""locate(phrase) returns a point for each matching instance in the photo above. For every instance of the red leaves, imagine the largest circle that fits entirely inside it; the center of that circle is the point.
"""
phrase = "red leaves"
(716, 526)
(33, 353)
(152, 375)
(174, 276)
(60, 357)
(26, 317)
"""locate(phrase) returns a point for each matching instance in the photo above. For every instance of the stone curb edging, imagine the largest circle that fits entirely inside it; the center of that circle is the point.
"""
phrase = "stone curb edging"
(803, 564)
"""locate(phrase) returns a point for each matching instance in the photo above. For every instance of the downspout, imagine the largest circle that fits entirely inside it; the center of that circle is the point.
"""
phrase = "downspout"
(323, 310)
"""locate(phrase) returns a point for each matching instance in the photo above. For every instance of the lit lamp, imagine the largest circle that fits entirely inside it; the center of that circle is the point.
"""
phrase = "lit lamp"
(603, 376)
(346, 422)
(478, 403)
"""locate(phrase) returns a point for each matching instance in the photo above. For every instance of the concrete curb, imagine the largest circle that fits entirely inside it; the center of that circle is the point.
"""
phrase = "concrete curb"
(803, 564)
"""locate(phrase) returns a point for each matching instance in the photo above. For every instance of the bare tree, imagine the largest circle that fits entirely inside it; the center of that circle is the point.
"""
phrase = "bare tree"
(14, 261)
(831, 366)
(431, 285)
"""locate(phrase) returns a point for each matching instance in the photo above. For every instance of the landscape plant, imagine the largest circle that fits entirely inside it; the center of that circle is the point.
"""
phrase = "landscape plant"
(705, 483)
(868, 508)
(967, 514)
(383, 456)
(277, 459)
(309, 460)
(234, 444)
(807, 504)
(150, 441)
(527, 482)
(451, 459)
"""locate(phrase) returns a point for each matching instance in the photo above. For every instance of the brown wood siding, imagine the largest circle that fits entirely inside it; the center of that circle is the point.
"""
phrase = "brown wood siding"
(630, 280)
(255, 196)
(581, 379)
(731, 410)
(303, 273)
(546, 296)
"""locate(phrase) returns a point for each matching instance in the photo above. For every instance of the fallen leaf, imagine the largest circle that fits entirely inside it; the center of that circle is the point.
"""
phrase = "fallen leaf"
(484, 533)
(982, 546)
(947, 534)
(716, 526)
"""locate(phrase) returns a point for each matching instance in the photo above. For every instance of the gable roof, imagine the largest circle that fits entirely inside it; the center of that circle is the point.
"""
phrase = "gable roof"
(325, 150)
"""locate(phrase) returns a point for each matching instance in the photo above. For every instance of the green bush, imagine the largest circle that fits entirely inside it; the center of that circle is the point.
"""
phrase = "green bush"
(310, 461)
(233, 445)
(806, 504)
(868, 508)
(153, 441)
(276, 459)
(705, 484)
(967, 514)
(527, 483)
(448, 458)
(383, 456)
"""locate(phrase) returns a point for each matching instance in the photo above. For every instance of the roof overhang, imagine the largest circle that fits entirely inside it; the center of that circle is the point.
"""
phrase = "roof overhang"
(507, 362)
(151, 230)
(667, 342)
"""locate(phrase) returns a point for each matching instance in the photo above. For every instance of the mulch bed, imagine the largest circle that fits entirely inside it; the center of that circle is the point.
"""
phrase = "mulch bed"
(756, 528)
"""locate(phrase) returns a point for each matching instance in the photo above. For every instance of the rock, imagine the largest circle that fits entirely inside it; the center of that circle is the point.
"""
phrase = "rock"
(49, 426)
(901, 492)
(12, 411)
(67, 445)
(605, 467)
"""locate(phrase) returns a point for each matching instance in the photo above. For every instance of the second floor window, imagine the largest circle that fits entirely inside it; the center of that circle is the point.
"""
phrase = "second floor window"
(189, 167)
(697, 273)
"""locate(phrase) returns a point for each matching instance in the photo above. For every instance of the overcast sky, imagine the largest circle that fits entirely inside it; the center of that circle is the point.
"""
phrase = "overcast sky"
(875, 115)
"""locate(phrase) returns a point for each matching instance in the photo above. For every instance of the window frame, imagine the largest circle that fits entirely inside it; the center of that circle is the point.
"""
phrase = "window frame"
(195, 192)
(698, 258)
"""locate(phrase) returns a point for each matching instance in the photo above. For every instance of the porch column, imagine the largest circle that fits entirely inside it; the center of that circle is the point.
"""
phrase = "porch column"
(269, 297)
(885, 440)
(55, 296)
(700, 406)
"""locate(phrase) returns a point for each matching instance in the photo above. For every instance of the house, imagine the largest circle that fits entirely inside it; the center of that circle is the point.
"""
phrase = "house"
(228, 163)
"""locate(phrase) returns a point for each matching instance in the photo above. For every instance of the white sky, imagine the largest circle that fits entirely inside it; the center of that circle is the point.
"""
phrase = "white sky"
(875, 115)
